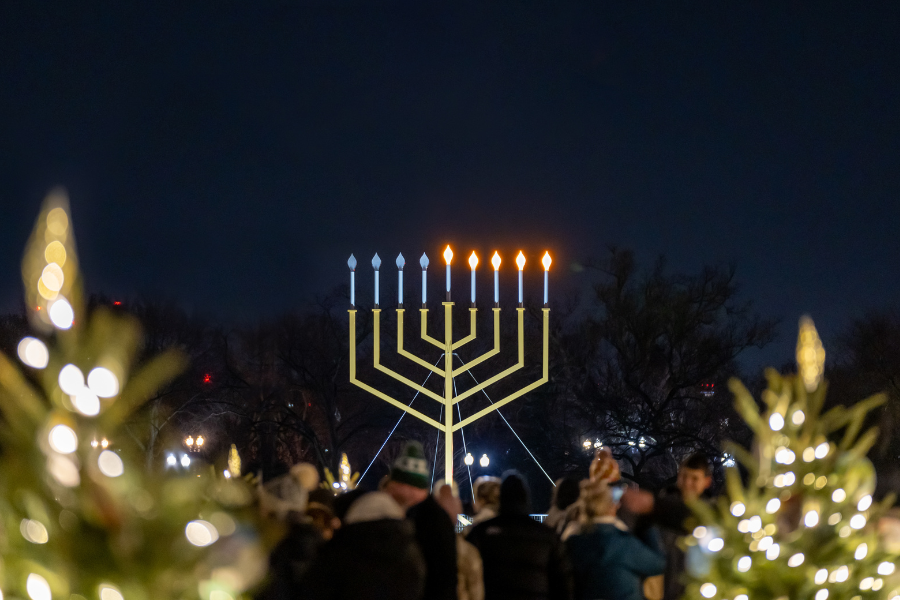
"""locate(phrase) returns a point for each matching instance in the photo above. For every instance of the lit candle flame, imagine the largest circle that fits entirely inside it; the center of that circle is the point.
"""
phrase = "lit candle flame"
(520, 260)
(546, 260)
(448, 255)
(496, 261)
(473, 260)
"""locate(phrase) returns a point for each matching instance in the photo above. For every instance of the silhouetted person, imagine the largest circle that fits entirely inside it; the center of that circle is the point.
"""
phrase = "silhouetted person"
(523, 559)
(434, 530)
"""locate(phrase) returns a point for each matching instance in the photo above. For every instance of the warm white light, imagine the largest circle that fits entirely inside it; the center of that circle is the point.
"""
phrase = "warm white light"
(63, 470)
(744, 563)
(700, 532)
(866, 584)
(754, 524)
(809, 454)
(469, 459)
(110, 464)
(473, 261)
(201, 533)
(766, 542)
(185, 461)
(821, 576)
(864, 503)
(37, 587)
(861, 551)
(227, 474)
(110, 592)
(86, 402)
(61, 313)
(448, 255)
(744, 526)
(546, 261)
(520, 260)
(104, 443)
(495, 260)
(34, 531)
(842, 574)
(798, 417)
(876, 585)
(63, 439)
(772, 552)
(71, 380)
(171, 460)
(773, 505)
(485, 461)
(822, 450)
(189, 441)
(741, 597)
(796, 560)
(707, 590)
(885, 568)
(738, 508)
(811, 519)
(789, 478)
(784, 456)
(822, 594)
(199, 440)
(103, 382)
(715, 544)
(776, 422)
(838, 495)
(33, 352)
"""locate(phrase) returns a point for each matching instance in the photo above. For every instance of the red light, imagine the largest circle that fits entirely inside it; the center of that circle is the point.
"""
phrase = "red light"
(207, 378)
(117, 303)
(38, 308)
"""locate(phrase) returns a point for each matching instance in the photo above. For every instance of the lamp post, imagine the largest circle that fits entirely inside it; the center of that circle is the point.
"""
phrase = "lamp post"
(484, 461)
(194, 445)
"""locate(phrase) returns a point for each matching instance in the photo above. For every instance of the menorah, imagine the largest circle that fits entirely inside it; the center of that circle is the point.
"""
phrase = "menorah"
(448, 346)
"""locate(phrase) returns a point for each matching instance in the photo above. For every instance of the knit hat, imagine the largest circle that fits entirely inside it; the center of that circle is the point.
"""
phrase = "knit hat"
(411, 468)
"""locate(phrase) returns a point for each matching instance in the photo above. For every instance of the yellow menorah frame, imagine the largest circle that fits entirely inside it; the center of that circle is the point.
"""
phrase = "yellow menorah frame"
(448, 372)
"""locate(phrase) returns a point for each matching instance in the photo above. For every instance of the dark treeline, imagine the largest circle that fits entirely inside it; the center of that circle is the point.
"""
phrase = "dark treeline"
(640, 365)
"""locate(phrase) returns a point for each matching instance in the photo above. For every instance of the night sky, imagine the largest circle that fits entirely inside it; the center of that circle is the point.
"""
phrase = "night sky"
(230, 156)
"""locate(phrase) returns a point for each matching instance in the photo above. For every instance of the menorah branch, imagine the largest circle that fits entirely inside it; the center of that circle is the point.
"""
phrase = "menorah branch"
(408, 354)
(469, 337)
(374, 391)
(487, 354)
(526, 389)
(425, 336)
(521, 363)
(376, 358)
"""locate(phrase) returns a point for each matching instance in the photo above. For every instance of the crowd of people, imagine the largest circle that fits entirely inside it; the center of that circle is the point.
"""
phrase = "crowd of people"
(602, 539)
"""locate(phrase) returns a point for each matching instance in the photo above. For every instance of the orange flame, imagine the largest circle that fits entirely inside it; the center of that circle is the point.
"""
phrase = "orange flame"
(546, 260)
(448, 255)
(520, 260)
(473, 260)
(496, 261)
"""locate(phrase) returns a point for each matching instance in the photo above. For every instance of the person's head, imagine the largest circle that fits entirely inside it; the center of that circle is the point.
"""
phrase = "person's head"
(514, 498)
(408, 484)
(566, 492)
(320, 509)
(597, 499)
(486, 493)
(694, 476)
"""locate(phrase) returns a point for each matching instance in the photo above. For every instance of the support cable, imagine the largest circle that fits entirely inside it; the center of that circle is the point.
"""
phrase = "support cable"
(397, 424)
(463, 434)
(507, 424)
(437, 440)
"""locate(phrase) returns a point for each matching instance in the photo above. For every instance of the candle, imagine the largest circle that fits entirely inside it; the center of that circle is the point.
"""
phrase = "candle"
(448, 256)
(546, 260)
(473, 262)
(376, 264)
(520, 261)
(424, 262)
(496, 262)
(400, 262)
(351, 262)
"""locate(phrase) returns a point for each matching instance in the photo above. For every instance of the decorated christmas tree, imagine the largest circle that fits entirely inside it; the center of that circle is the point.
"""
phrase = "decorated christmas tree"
(80, 518)
(804, 526)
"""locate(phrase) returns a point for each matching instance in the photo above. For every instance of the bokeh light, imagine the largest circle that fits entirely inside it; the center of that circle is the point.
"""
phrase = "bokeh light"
(110, 464)
(33, 352)
(63, 439)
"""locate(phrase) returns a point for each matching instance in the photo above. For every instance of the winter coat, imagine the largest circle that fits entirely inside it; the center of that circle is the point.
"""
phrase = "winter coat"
(609, 562)
(374, 556)
(290, 561)
(523, 559)
(470, 571)
(671, 513)
(436, 535)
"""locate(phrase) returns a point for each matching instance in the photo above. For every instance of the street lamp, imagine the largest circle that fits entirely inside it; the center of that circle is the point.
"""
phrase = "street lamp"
(171, 460)
(485, 461)
(469, 459)
(587, 444)
(194, 445)
(185, 461)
